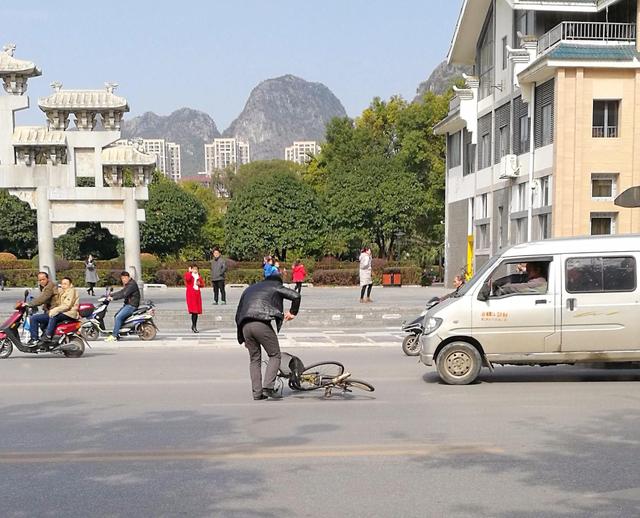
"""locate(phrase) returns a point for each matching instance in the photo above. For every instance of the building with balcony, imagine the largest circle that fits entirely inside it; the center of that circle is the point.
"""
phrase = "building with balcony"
(224, 152)
(546, 130)
(167, 156)
(301, 152)
(71, 175)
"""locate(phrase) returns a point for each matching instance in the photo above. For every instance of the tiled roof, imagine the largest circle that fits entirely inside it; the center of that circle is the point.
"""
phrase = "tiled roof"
(594, 52)
(37, 136)
(83, 99)
(11, 65)
(126, 155)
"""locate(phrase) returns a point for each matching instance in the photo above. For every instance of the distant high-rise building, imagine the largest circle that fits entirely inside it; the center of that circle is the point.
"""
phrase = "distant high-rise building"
(223, 152)
(174, 167)
(301, 151)
(157, 147)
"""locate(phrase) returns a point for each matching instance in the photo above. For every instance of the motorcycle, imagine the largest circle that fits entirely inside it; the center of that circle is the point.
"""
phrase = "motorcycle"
(140, 323)
(66, 339)
(411, 342)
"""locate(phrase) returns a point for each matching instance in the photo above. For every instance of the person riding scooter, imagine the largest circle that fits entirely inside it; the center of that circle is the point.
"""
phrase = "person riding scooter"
(131, 295)
(48, 298)
(67, 309)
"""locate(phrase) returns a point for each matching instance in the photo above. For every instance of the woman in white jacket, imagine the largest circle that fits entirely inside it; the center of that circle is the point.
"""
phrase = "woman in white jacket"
(366, 278)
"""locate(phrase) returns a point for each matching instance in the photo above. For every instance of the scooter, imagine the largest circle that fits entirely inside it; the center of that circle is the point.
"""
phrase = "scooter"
(140, 323)
(66, 339)
(411, 342)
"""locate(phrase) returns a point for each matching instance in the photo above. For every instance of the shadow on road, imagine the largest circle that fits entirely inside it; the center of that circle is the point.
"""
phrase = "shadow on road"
(135, 466)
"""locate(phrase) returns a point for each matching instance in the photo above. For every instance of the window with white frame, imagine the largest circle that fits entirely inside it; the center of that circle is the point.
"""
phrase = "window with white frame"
(547, 124)
(453, 148)
(503, 144)
(519, 200)
(519, 234)
(603, 223)
(603, 186)
(483, 240)
(523, 143)
(482, 206)
(542, 193)
(485, 58)
(544, 226)
(486, 151)
(605, 119)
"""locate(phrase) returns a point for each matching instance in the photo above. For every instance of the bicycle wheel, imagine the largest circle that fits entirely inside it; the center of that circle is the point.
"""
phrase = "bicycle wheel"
(319, 374)
(359, 384)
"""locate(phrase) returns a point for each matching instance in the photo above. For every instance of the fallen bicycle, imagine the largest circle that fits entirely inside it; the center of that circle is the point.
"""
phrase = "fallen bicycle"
(329, 376)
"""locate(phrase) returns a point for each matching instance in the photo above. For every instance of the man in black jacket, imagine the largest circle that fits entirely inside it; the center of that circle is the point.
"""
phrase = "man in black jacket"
(260, 304)
(131, 295)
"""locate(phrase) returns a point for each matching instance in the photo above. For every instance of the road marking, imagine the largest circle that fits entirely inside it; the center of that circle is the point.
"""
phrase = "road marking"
(433, 450)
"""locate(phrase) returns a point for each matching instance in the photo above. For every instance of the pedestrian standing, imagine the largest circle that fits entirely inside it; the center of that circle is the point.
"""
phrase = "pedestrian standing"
(366, 274)
(218, 272)
(268, 266)
(260, 304)
(298, 274)
(193, 282)
(90, 274)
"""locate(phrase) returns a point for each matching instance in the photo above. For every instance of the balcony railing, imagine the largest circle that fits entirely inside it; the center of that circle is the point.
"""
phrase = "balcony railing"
(604, 132)
(587, 31)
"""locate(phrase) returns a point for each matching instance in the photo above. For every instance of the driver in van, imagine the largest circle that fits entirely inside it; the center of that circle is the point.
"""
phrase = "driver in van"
(533, 282)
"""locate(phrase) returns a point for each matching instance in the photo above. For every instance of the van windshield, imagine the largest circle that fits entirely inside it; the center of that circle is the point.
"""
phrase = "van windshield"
(471, 282)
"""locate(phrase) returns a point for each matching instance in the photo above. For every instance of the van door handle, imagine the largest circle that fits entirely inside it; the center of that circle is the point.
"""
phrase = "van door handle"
(541, 301)
(571, 304)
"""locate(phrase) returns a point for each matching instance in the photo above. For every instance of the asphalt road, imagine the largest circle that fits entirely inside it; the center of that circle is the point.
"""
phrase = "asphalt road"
(174, 432)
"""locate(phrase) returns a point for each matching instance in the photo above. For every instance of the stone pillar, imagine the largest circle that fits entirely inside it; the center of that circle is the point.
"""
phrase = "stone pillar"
(132, 236)
(46, 257)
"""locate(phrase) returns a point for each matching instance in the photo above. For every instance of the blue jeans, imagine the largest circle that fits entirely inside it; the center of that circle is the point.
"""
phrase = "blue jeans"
(38, 323)
(125, 312)
(54, 321)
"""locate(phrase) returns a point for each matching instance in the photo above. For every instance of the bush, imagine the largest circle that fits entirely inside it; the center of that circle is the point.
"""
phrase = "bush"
(244, 276)
(149, 261)
(7, 257)
(336, 277)
(169, 277)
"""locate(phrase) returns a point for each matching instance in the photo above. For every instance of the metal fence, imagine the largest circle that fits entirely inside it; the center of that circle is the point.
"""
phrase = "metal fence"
(587, 31)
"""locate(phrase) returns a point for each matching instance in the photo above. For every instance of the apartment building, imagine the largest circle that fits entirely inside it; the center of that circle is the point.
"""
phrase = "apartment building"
(157, 147)
(546, 131)
(301, 151)
(174, 166)
(223, 152)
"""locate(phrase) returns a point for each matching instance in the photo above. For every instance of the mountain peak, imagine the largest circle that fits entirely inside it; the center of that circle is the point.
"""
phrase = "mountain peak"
(281, 110)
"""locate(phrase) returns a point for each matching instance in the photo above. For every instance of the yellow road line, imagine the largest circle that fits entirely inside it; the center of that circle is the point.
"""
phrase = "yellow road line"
(256, 454)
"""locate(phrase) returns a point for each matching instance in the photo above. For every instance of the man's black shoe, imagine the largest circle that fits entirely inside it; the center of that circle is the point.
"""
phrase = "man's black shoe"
(32, 342)
(271, 393)
(44, 341)
(260, 397)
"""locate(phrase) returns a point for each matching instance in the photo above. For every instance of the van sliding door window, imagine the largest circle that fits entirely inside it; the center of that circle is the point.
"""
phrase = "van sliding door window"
(600, 274)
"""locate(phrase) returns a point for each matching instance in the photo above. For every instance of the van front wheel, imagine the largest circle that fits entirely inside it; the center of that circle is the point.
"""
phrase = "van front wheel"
(459, 363)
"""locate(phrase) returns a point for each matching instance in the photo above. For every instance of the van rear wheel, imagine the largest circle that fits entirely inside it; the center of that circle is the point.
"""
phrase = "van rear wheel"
(459, 363)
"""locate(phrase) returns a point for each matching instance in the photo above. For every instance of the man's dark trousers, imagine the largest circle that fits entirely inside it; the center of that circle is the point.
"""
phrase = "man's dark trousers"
(218, 286)
(257, 334)
(38, 322)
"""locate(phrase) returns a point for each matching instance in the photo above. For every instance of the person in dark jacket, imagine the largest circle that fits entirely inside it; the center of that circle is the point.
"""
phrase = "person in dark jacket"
(260, 304)
(131, 295)
(218, 271)
(48, 299)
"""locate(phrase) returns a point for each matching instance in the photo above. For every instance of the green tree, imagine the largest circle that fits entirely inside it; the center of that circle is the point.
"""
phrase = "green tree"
(18, 226)
(247, 172)
(274, 213)
(212, 232)
(85, 239)
(174, 218)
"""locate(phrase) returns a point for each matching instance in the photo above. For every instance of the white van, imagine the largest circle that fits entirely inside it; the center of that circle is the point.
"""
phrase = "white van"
(578, 302)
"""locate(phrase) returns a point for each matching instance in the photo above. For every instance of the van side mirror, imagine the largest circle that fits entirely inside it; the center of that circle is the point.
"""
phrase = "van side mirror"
(484, 292)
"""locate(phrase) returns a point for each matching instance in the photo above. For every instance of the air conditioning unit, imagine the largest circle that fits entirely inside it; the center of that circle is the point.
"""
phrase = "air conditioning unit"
(509, 167)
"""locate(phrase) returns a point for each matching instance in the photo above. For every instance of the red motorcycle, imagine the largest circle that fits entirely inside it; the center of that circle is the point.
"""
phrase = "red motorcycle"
(66, 339)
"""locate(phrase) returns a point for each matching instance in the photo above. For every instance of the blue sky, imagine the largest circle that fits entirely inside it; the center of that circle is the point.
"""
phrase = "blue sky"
(208, 55)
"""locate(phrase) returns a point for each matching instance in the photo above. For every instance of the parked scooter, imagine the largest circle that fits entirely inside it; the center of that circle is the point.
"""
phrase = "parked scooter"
(411, 342)
(140, 323)
(66, 339)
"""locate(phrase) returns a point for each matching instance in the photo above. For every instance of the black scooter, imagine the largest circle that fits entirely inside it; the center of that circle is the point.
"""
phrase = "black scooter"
(411, 342)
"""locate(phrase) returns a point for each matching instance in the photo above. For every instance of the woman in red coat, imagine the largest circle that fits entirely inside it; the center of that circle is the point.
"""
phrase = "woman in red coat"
(298, 274)
(194, 283)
